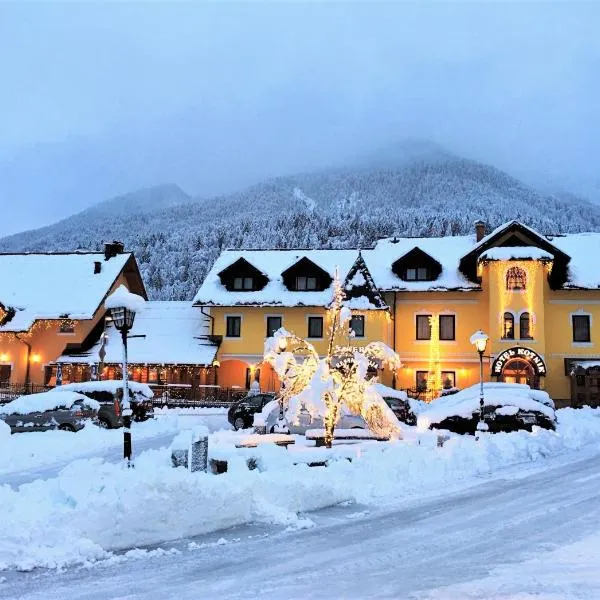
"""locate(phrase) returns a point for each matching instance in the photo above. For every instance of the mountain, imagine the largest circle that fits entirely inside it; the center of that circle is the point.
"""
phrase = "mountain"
(176, 239)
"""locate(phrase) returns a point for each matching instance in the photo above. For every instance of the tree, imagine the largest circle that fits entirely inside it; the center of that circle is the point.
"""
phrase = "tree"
(324, 385)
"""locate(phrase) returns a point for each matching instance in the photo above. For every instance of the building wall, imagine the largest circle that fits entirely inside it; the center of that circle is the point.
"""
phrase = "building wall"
(47, 344)
(246, 352)
(551, 329)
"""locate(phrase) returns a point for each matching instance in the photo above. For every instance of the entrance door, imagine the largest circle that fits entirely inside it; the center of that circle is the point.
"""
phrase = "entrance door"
(519, 371)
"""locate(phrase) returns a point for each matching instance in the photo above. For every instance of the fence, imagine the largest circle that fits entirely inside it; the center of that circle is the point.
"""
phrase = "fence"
(174, 395)
(10, 391)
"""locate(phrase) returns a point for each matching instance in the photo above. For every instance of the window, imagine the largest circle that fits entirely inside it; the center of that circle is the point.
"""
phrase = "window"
(67, 326)
(357, 324)
(315, 327)
(5, 373)
(423, 327)
(273, 324)
(251, 376)
(447, 327)
(421, 381)
(508, 327)
(516, 279)
(448, 380)
(417, 274)
(234, 326)
(243, 283)
(525, 326)
(581, 328)
(306, 283)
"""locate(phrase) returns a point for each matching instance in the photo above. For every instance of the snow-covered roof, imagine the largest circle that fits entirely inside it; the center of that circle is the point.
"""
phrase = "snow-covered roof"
(171, 333)
(272, 263)
(53, 286)
(445, 250)
(515, 253)
(584, 249)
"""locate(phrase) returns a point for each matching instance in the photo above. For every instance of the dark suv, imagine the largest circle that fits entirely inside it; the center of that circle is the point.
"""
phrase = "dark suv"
(241, 413)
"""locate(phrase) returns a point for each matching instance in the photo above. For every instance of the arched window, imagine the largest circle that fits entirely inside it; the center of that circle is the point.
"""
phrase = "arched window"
(508, 329)
(516, 279)
(525, 326)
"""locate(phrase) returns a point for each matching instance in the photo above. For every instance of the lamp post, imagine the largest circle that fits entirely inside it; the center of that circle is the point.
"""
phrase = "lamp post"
(281, 426)
(123, 306)
(479, 340)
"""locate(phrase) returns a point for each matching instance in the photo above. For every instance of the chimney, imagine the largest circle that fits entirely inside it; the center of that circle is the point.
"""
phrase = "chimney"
(112, 249)
(97, 267)
(479, 230)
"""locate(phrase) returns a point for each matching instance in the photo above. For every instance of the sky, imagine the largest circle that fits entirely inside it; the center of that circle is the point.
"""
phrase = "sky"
(99, 99)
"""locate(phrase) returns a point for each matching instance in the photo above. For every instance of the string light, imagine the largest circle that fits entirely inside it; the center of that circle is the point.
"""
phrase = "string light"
(434, 373)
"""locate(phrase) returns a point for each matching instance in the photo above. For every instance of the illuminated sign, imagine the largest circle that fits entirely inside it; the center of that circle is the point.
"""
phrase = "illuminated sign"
(519, 352)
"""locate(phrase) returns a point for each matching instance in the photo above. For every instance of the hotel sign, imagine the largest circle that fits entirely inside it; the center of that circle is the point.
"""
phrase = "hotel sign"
(527, 354)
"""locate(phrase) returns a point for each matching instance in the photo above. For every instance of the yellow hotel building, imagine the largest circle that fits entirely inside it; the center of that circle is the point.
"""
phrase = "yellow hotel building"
(536, 296)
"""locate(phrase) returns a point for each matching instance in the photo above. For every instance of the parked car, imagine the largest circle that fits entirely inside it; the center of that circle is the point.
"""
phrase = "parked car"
(241, 413)
(507, 407)
(406, 409)
(68, 411)
(108, 393)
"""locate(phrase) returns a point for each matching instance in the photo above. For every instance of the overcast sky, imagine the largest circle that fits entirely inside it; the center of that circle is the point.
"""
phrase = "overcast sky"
(101, 99)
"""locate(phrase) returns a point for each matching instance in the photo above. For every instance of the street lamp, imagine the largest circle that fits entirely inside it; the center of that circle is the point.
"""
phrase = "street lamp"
(123, 306)
(479, 340)
(281, 426)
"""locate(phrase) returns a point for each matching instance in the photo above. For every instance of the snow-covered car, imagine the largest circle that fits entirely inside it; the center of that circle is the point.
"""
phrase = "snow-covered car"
(106, 393)
(65, 410)
(406, 409)
(270, 414)
(507, 407)
(241, 413)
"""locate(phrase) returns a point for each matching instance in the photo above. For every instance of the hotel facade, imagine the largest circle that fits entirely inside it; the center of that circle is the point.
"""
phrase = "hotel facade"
(537, 297)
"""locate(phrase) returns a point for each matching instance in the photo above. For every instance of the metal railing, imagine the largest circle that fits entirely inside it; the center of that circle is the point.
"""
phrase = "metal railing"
(10, 391)
(173, 395)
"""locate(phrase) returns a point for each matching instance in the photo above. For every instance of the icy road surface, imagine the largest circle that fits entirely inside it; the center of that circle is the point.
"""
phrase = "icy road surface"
(365, 552)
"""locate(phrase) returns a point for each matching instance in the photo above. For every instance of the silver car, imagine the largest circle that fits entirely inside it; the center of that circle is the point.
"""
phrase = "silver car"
(66, 411)
(305, 420)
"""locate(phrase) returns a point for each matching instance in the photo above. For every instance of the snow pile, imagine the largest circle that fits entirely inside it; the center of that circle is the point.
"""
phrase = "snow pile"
(24, 405)
(122, 297)
(466, 402)
(107, 385)
(93, 507)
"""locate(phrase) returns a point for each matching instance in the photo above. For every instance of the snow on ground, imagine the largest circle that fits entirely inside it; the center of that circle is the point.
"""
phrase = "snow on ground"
(27, 451)
(93, 507)
(569, 571)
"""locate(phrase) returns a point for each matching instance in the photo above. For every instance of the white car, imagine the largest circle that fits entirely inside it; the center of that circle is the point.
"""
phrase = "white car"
(270, 414)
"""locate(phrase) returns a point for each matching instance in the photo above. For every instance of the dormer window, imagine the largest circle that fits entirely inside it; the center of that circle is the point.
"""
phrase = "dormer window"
(417, 265)
(306, 276)
(516, 279)
(306, 283)
(242, 276)
(417, 274)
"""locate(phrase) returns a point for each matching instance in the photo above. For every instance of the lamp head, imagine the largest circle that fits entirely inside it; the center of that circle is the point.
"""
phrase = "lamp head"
(282, 344)
(479, 340)
(122, 317)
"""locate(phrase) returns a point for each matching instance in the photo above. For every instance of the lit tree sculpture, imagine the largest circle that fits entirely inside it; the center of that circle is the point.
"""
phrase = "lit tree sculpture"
(324, 385)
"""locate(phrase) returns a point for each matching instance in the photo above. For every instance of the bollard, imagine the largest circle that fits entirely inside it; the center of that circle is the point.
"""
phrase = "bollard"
(180, 448)
(199, 450)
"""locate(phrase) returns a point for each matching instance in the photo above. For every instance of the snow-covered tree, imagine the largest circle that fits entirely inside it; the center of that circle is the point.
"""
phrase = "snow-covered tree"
(324, 386)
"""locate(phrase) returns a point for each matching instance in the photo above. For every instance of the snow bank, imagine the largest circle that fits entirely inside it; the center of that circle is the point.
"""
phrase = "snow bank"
(24, 405)
(93, 507)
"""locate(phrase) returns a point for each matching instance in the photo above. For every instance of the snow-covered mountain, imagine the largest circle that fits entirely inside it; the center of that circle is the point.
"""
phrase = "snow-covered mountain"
(176, 239)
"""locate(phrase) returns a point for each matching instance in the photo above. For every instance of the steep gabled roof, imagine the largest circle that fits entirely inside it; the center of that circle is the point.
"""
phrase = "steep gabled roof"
(514, 233)
(59, 285)
(361, 291)
(417, 258)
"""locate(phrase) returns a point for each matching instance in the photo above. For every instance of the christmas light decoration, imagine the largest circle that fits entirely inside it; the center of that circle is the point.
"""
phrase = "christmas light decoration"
(340, 379)
(434, 374)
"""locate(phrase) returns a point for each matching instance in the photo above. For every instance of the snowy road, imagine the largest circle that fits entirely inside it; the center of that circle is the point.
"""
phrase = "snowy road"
(353, 553)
